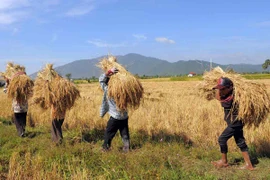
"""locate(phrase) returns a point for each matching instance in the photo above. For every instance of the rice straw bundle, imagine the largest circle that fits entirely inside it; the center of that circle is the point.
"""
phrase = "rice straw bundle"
(51, 90)
(12, 69)
(252, 97)
(20, 85)
(123, 87)
(20, 88)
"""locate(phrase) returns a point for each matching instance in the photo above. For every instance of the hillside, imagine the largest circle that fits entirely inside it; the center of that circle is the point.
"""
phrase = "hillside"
(142, 65)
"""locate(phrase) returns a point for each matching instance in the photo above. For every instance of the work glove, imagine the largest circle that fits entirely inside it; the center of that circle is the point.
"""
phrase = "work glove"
(112, 71)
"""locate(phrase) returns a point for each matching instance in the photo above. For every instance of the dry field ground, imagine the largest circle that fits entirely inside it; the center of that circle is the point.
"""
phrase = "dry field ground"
(169, 108)
(173, 136)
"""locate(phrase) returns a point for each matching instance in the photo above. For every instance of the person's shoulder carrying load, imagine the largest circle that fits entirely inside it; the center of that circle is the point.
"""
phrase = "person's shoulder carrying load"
(20, 86)
(123, 87)
(52, 90)
(250, 96)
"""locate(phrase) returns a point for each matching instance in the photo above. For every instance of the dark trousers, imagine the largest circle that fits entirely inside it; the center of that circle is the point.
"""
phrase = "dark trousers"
(56, 130)
(237, 133)
(113, 126)
(20, 122)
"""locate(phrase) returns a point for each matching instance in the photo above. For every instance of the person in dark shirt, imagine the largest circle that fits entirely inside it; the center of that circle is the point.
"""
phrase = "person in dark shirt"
(225, 94)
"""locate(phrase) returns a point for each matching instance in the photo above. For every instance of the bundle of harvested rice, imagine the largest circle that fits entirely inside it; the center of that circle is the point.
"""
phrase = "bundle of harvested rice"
(251, 97)
(20, 88)
(12, 69)
(123, 87)
(20, 85)
(51, 90)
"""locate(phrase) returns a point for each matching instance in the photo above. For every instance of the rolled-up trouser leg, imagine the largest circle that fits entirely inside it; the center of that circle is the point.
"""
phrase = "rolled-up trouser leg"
(239, 139)
(20, 122)
(224, 137)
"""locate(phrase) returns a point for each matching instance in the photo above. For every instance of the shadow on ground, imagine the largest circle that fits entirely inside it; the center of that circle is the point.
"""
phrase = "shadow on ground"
(138, 138)
(256, 150)
(32, 135)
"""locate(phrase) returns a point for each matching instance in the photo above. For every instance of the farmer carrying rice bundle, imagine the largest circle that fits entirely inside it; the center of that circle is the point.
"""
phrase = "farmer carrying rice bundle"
(54, 92)
(19, 87)
(244, 102)
(122, 90)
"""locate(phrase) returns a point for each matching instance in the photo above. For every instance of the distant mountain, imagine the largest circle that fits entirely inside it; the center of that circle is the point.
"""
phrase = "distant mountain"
(142, 65)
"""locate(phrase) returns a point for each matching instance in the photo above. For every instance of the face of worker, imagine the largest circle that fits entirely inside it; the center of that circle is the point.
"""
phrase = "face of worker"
(225, 91)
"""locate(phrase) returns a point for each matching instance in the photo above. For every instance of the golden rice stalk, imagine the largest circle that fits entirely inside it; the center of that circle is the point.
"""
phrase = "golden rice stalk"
(51, 90)
(48, 73)
(12, 69)
(252, 97)
(20, 88)
(42, 93)
(20, 85)
(123, 87)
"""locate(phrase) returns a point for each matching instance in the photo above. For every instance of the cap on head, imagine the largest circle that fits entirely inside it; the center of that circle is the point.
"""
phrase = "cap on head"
(223, 82)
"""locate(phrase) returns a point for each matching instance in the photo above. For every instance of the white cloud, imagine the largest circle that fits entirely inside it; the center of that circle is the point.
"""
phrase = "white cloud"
(83, 7)
(6, 18)
(99, 43)
(11, 11)
(139, 36)
(263, 24)
(9, 18)
(79, 11)
(51, 2)
(164, 40)
(12, 4)
(47, 6)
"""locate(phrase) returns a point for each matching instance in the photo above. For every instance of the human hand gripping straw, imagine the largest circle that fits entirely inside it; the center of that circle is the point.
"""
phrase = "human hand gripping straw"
(112, 71)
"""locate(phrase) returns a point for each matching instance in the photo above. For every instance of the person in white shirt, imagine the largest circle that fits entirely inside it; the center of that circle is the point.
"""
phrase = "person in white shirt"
(118, 119)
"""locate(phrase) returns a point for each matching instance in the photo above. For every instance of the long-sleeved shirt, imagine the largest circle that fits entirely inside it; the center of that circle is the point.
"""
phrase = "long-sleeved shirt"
(108, 104)
(19, 108)
(231, 113)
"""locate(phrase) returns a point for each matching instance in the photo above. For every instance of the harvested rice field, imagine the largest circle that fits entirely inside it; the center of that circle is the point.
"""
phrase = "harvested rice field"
(172, 115)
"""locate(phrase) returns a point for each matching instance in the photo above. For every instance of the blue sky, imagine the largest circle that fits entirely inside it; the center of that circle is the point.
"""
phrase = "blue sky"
(36, 32)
